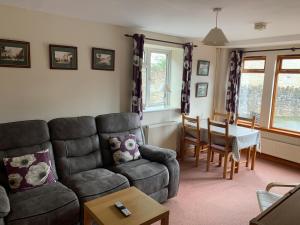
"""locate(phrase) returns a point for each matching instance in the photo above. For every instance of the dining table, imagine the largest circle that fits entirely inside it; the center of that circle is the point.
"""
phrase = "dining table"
(240, 138)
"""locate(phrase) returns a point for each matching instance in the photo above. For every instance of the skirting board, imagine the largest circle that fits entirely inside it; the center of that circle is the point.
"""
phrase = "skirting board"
(278, 160)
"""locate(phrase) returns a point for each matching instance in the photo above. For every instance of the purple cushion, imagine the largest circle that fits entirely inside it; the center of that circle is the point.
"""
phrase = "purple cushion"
(124, 148)
(29, 171)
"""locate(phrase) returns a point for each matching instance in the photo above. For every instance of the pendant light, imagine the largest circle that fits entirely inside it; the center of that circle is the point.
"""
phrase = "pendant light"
(215, 37)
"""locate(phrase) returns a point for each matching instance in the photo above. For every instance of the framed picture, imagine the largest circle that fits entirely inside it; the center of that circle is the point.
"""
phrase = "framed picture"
(201, 89)
(203, 68)
(63, 57)
(14, 53)
(103, 59)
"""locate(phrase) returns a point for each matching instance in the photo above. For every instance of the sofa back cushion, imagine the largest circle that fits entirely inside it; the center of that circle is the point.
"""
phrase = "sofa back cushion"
(76, 145)
(21, 138)
(117, 125)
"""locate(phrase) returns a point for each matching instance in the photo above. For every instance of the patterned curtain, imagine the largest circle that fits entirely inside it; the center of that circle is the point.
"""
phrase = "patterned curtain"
(186, 78)
(234, 83)
(138, 51)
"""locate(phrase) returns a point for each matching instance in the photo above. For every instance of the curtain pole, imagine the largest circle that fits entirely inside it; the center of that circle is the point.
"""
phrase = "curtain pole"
(272, 50)
(153, 39)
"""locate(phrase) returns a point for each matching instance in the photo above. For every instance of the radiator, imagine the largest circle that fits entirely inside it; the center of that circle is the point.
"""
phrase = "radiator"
(164, 135)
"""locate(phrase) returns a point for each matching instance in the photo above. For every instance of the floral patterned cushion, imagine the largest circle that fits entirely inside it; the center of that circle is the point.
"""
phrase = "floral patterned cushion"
(124, 148)
(29, 171)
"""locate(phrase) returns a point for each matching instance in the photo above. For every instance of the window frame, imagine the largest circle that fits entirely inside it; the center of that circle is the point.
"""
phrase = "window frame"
(253, 58)
(147, 65)
(279, 70)
(258, 71)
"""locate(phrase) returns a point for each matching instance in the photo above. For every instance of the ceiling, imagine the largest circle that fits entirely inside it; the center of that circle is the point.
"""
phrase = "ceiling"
(187, 18)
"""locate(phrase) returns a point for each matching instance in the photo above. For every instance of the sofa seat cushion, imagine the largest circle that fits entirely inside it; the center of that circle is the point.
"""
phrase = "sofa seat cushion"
(147, 176)
(48, 204)
(95, 183)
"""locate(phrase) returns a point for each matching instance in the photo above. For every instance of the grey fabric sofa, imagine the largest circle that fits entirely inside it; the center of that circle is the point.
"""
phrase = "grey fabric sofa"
(49, 204)
(83, 166)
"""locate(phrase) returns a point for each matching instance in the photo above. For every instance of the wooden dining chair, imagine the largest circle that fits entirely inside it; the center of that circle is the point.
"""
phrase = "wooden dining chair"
(222, 117)
(223, 147)
(191, 136)
(238, 121)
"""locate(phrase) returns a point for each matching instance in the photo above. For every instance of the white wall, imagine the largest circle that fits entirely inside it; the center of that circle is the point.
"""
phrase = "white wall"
(41, 93)
(202, 106)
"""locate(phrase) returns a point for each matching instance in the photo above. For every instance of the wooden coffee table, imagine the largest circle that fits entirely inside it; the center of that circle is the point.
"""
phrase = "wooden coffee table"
(144, 209)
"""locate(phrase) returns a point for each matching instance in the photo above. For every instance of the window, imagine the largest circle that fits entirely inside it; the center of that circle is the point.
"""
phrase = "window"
(251, 87)
(160, 90)
(286, 95)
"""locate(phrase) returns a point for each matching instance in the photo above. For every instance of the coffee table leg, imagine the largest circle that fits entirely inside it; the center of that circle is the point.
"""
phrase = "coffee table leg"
(87, 218)
(165, 220)
(253, 157)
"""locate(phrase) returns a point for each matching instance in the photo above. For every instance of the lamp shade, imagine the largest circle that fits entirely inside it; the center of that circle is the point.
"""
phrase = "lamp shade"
(215, 37)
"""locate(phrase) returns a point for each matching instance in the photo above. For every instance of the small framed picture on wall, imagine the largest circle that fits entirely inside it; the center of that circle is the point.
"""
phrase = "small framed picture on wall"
(103, 59)
(203, 68)
(14, 53)
(201, 89)
(63, 57)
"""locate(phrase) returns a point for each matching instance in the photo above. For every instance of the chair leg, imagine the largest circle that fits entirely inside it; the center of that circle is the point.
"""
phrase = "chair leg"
(220, 160)
(195, 149)
(197, 153)
(212, 156)
(208, 159)
(248, 156)
(236, 166)
(253, 158)
(225, 165)
(182, 151)
(232, 168)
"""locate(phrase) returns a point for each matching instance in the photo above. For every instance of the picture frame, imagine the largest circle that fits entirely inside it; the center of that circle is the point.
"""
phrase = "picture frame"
(201, 89)
(203, 68)
(14, 53)
(63, 57)
(103, 59)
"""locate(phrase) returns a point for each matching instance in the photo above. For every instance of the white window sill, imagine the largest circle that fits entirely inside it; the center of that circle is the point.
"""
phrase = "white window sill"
(158, 109)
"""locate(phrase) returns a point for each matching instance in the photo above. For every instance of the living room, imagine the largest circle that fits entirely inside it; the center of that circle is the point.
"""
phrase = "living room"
(76, 75)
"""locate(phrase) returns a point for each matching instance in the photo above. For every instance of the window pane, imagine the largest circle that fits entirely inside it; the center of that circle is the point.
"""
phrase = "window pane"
(158, 79)
(287, 107)
(144, 84)
(250, 95)
(290, 64)
(254, 64)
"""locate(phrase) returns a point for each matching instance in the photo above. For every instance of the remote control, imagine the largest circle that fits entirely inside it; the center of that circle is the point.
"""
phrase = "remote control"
(122, 208)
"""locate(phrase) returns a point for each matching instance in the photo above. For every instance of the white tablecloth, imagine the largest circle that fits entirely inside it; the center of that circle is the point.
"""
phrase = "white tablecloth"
(241, 137)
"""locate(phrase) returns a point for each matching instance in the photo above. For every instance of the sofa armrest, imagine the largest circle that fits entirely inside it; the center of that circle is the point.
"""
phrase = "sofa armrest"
(4, 206)
(157, 154)
(168, 158)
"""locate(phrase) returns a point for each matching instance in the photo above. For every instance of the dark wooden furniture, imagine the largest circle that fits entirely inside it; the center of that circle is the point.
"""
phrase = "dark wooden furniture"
(191, 136)
(224, 149)
(286, 211)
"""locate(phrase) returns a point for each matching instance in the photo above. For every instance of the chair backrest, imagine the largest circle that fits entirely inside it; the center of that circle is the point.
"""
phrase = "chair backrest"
(21, 138)
(249, 120)
(117, 125)
(190, 125)
(76, 145)
(218, 133)
(222, 117)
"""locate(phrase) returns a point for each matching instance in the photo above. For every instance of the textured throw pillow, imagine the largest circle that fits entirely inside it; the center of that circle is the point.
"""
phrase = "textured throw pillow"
(124, 148)
(29, 171)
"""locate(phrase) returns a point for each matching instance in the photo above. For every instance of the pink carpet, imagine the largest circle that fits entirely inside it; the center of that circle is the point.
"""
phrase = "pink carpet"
(205, 198)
